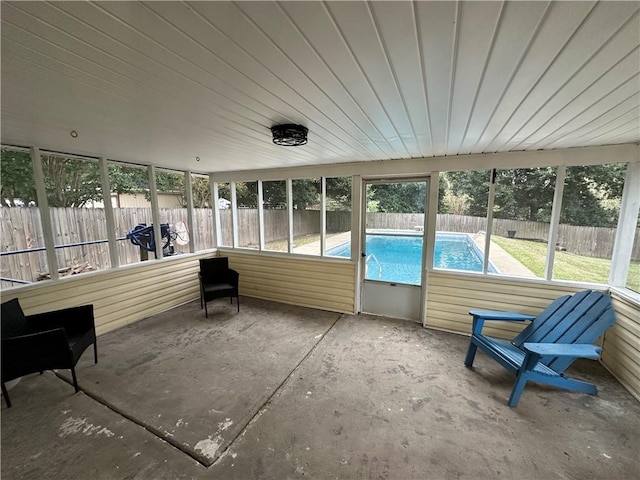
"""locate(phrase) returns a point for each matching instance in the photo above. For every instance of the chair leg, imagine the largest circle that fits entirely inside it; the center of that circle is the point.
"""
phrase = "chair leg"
(206, 313)
(75, 380)
(238, 302)
(518, 388)
(528, 364)
(6, 395)
(231, 300)
(95, 352)
(471, 354)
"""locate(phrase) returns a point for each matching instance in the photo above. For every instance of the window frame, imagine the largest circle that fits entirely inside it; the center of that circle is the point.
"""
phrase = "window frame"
(579, 156)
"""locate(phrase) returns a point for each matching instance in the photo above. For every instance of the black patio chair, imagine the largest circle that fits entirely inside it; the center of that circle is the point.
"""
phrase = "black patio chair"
(44, 341)
(217, 280)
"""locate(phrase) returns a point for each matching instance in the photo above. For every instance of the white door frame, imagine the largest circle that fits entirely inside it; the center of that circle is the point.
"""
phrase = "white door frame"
(404, 291)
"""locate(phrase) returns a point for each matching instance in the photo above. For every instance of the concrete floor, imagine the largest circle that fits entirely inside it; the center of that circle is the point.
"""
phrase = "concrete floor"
(278, 392)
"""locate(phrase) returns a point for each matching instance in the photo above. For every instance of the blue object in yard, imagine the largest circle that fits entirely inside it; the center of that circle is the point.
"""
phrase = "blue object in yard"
(541, 353)
(142, 236)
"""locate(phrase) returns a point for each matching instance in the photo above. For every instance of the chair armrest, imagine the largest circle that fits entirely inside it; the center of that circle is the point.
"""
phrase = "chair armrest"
(233, 277)
(480, 316)
(33, 344)
(502, 316)
(73, 320)
(34, 352)
(576, 350)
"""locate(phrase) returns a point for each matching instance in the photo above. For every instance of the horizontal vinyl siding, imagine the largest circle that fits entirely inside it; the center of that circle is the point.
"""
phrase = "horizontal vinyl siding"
(327, 285)
(119, 296)
(450, 296)
(621, 353)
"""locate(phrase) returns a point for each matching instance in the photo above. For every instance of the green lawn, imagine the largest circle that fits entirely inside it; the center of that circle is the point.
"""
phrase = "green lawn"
(282, 245)
(567, 266)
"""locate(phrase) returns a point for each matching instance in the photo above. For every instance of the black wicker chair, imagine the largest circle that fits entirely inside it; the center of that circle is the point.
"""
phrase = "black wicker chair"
(217, 280)
(44, 341)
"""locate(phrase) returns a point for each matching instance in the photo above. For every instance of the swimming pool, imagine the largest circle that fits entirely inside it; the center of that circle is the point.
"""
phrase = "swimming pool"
(394, 258)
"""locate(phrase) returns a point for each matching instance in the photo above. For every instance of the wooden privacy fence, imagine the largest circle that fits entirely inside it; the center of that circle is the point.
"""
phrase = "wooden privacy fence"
(588, 241)
(276, 224)
(21, 229)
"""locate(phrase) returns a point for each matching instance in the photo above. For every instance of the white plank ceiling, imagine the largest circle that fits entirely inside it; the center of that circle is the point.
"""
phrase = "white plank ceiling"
(165, 82)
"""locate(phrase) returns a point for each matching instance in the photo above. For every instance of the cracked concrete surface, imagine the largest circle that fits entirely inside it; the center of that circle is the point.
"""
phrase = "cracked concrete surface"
(288, 392)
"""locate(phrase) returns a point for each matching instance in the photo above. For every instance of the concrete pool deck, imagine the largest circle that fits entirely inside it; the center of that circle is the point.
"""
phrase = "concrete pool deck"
(506, 263)
(333, 240)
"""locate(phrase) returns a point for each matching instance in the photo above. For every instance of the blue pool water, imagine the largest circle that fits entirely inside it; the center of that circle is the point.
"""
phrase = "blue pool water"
(393, 258)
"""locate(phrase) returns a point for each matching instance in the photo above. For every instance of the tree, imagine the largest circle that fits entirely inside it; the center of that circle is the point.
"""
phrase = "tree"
(405, 197)
(274, 194)
(475, 185)
(339, 193)
(72, 182)
(17, 185)
(124, 179)
(69, 182)
(591, 193)
(306, 193)
(201, 192)
(525, 194)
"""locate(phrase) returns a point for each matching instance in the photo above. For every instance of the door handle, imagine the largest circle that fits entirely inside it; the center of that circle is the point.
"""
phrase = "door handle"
(363, 254)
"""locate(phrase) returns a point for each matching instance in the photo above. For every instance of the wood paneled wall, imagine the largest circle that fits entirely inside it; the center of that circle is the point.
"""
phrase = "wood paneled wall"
(119, 296)
(317, 283)
(450, 296)
(126, 295)
(621, 353)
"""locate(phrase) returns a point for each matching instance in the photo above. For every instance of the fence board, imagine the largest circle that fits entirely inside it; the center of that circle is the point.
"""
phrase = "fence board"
(21, 228)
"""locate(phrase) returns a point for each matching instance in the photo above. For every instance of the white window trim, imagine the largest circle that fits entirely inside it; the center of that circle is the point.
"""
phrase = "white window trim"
(45, 214)
(155, 210)
(554, 227)
(108, 213)
(626, 228)
(487, 236)
(188, 193)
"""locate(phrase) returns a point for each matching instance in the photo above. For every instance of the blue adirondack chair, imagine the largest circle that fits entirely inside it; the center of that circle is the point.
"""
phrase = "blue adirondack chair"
(541, 353)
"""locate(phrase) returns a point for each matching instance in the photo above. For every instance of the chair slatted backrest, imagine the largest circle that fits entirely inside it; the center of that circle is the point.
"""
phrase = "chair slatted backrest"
(580, 318)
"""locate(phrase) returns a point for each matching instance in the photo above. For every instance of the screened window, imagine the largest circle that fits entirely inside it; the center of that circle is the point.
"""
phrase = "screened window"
(74, 194)
(461, 223)
(521, 220)
(202, 238)
(172, 204)
(131, 209)
(248, 221)
(20, 222)
(338, 216)
(276, 220)
(588, 220)
(306, 216)
(224, 211)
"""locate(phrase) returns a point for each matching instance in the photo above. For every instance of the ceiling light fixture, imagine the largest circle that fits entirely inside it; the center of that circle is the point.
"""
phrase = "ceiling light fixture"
(73, 134)
(289, 135)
